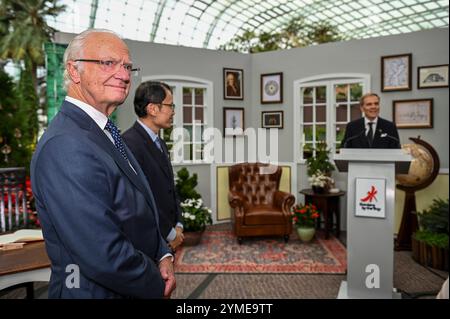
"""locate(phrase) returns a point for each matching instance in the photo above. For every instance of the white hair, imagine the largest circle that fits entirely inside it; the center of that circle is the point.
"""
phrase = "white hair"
(75, 50)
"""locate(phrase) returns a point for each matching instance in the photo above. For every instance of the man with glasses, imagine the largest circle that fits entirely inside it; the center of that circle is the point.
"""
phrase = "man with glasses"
(153, 104)
(98, 213)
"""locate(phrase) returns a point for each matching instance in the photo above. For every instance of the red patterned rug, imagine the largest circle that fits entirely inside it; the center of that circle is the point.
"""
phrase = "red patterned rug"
(219, 252)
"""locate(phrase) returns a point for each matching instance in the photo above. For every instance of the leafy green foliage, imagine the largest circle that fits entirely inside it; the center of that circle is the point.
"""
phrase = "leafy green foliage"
(18, 127)
(433, 224)
(435, 218)
(296, 33)
(185, 185)
(433, 239)
(27, 28)
(320, 160)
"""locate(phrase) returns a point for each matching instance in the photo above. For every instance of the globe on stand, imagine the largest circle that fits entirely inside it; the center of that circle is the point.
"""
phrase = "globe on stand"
(422, 172)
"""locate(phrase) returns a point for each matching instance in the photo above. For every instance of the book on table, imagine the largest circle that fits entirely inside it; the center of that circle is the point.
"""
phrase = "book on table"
(20, 237)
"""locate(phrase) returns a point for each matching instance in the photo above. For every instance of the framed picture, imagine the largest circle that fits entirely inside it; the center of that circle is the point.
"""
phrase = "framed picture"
(272, 119)
(413, 113)
(272, 88)
(233, 84)
(432, 76)
(233, 119)
(396, 72)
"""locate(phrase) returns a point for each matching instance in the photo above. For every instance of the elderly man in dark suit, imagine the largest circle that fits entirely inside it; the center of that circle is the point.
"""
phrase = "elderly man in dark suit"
(371, 131)
(98, 213)
(153, 104)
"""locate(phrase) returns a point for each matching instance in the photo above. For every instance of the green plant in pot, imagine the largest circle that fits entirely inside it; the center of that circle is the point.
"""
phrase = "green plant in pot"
(195, 215)
(320, 167)
(430, 242)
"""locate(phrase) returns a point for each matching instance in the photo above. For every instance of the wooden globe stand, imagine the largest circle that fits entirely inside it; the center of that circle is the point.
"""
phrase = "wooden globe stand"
(409, 222)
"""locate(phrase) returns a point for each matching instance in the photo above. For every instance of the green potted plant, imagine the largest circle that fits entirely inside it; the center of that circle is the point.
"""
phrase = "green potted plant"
(195, 215)
(304, 218)
(430, 241)
(320, 167)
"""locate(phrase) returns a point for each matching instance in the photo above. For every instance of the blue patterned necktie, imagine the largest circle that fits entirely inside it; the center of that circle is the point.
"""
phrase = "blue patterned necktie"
(158, 143)
(112, 128)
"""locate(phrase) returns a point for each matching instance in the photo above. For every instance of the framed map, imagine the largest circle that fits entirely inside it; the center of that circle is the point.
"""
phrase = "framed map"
(413, 113)
(396, 72)
(272, 88)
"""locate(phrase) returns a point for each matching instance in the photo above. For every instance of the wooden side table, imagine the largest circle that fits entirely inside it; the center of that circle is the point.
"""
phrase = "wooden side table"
(24, 265)
(328, 204)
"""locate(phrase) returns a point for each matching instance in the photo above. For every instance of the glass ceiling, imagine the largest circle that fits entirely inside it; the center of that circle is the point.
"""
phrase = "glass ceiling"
(208, 24)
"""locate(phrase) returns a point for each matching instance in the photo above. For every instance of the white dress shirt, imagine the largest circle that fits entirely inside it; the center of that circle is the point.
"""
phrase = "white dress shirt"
(99, 118)
(367, 126)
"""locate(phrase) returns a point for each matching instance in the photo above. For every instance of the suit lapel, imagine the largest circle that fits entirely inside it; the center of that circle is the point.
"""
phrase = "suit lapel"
(376, 134)
(154, 151)
(99, 137)
(363, 138)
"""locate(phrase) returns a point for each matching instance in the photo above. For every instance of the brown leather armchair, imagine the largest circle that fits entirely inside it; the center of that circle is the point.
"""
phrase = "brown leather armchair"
(260, 209)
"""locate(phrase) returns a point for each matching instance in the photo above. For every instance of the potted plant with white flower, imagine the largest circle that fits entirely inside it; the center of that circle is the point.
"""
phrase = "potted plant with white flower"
(195, 219)
(320, 167)
(195, 216)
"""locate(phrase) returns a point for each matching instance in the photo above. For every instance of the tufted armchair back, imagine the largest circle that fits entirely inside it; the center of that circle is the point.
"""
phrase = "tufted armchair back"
(256, 188)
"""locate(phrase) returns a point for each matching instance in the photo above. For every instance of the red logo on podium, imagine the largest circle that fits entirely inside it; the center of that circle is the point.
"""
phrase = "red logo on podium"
(370, 195)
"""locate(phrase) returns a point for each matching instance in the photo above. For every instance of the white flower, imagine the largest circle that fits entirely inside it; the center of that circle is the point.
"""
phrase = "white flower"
(320, 180)
(192, 217)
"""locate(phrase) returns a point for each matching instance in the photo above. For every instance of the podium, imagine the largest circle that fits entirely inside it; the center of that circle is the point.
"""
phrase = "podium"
(370, 220)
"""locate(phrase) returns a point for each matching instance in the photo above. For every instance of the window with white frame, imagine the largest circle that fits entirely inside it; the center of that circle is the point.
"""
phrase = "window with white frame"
(193, 112)
(325, 106)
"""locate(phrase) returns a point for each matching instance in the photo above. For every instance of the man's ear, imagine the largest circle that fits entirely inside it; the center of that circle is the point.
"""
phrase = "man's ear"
(73, 71)
(151, 109)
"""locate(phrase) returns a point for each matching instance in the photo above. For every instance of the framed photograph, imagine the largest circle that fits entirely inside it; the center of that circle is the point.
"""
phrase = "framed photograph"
(272, 88)
(432, 76)
(233, 84)
(413, 113)
(272, 119)
(233, 119)
(396, 72)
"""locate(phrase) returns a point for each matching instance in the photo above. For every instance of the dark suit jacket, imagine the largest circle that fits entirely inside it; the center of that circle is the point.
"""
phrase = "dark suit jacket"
(158, 170)
(96, 213)
(386, 135)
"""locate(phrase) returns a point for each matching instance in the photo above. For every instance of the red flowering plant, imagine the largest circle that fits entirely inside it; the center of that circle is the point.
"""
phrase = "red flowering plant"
(305, 215)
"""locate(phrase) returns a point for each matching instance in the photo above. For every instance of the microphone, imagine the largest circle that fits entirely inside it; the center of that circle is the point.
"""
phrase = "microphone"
(353, 137)
(383, 134)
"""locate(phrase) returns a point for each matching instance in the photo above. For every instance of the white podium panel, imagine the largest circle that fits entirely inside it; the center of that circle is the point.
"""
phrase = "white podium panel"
(370, 220)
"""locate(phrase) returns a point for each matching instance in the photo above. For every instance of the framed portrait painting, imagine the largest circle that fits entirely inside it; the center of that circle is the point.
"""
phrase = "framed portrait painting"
(272, 88)
(413, 113)
(233, 84)
(432, 76)
(233, 121)
(272, 119)
(396, 72)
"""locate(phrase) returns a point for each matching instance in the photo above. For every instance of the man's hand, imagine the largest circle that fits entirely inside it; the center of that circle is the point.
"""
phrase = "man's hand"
(178, 239)
(166, 270)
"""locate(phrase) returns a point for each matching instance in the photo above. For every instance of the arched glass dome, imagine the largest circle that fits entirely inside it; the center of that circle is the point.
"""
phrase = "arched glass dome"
(208, 24)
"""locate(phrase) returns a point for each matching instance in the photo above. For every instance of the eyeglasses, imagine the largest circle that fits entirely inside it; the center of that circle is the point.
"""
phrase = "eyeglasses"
(171, 105)
(111, 66)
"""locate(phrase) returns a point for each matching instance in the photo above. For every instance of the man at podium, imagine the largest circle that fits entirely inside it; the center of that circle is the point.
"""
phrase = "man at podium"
(371, 131)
